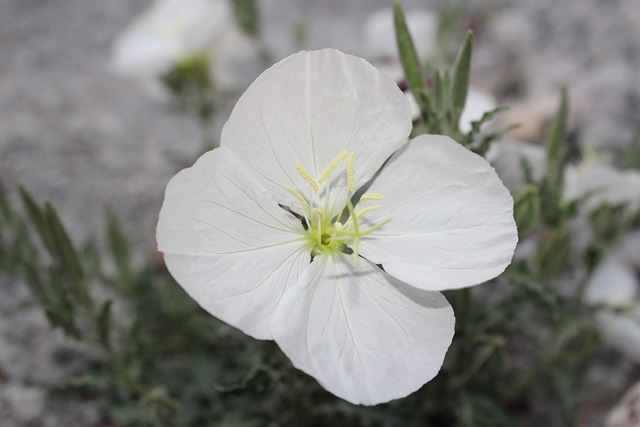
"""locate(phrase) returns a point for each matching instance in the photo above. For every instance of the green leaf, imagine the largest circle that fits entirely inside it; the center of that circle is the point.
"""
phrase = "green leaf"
(104, 324)
(64, 249)
(556, 161)
(526, 208)
(37, 217)
(631, 156)
(439, 95)
(460, 72)
(119, 247)
(35, 284)
(247, 15)
(5, 207)
(410, 60)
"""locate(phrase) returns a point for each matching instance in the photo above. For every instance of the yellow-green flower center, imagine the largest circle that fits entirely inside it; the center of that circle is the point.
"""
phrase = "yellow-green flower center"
(325, 230)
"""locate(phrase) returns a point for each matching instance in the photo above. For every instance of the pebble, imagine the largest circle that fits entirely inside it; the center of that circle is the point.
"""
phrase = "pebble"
(25, 403)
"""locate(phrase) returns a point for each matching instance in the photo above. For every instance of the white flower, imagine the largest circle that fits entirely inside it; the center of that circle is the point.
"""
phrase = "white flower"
(262, 232)
(509, 158)
(477, 103)
(172, 31)
(603, 183)
(614, 285)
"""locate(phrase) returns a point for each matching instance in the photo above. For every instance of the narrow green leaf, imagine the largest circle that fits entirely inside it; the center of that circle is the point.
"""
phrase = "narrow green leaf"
(247, 15)
(5, 207)
(439, 95)
(446, 83)
(526, 209)
(460, 72)
(64, 250)
(631, 156)
(35, 284)
(104, 324)
(556, 149)
(552, 184)
(37, 217)
(409, 59)
(64, 306)
(119, 247)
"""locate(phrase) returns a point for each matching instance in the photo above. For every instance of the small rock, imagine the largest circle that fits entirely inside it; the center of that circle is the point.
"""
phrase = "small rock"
(627, 412)
(533, 116)
(25, 403)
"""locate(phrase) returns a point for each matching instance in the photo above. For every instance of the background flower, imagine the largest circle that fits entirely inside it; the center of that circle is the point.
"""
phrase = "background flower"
(174, 32)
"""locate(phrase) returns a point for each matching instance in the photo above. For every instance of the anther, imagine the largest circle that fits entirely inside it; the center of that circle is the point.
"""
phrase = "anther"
(372, 196)
(307, 177)
(298, 196)
(350, 178)
(356, 231)
(332, 166)
(365, 210)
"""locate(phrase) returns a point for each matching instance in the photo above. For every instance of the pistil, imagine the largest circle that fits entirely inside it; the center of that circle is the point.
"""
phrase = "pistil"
(329, 234)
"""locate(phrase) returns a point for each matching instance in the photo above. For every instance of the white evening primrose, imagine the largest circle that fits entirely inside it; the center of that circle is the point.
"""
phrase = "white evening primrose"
(614, 286)
(172, 32)
(293, 231)
(478, 102)
(603, 183)
(512, 159)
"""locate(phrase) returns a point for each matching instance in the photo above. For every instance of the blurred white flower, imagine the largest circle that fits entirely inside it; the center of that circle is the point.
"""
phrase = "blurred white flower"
(174, 31)
(478, 102)
(380, 39)
(263, 232)
(509, 157)
(614, 285)
(602, 183)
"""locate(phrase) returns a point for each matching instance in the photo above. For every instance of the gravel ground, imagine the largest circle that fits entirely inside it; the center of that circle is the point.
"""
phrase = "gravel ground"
(76, 134)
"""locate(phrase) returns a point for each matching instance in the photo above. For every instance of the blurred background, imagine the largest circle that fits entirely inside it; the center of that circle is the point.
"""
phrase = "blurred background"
(91, 140)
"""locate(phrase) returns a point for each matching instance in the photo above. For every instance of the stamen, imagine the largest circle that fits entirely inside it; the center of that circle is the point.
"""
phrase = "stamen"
(356, 230)
(365, 210)
(372, 196)
(375, 227)
(331, 166)
(298, 196)
(317, 213)
(307, 177)
(350, 179)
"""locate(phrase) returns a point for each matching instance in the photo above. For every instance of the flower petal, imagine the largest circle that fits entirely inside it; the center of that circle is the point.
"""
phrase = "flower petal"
(365, 336)
(452, 218)
(307, 109)
(227, 243)
(167, 32)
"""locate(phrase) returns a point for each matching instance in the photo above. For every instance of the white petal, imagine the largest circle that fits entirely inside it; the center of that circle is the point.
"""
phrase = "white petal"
(365, 336)
(308, 108)
(478, 102)
(508, 156)
(613, 283)
(621, 330)
(167, 32)
(234, 61)
(452, 219)
(603, 184)
(227, 243)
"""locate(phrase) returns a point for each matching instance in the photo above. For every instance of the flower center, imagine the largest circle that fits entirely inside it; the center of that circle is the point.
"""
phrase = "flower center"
(331, 222)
